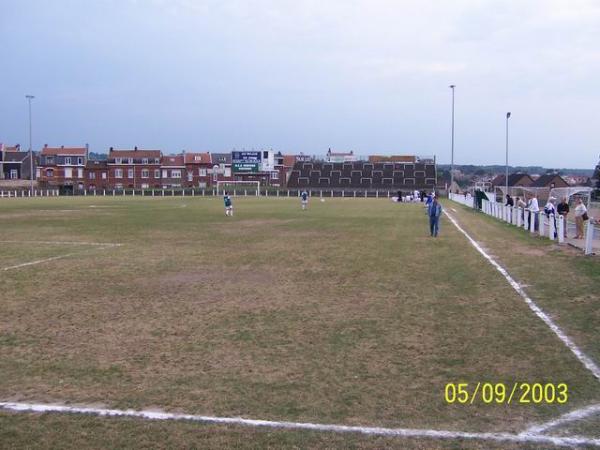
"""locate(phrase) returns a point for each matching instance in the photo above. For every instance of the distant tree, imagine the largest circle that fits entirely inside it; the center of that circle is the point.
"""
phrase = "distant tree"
(596, 179)
(480, 172)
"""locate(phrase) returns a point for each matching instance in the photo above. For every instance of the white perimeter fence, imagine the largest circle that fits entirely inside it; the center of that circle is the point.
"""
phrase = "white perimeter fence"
(547, 226)
(28, 193)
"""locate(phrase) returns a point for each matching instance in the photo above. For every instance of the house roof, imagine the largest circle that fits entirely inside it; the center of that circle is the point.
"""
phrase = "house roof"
(16, 148)
(93, 164)
(289, 160)
(172, 161)
(12, 156)
(513, 180)
(350, 153)
(221, 158)
(135, 153)
(73, 151)
(197, 158)
(546, 180)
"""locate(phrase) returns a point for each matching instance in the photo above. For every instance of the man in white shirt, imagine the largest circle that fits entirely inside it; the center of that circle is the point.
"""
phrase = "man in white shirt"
(534, 208)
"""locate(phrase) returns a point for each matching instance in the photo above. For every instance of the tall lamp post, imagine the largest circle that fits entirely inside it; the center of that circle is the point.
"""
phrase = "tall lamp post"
(29, 98)
(452, 86)
(506, 171)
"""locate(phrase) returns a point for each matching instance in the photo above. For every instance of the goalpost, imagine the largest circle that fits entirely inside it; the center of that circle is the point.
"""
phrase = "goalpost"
(239, 187)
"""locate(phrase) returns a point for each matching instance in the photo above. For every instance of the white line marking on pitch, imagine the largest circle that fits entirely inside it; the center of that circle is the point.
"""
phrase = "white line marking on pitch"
(585, 360)
(374, 431)
(573, 416)
(39, 261)
(54, 258)
(99, 244)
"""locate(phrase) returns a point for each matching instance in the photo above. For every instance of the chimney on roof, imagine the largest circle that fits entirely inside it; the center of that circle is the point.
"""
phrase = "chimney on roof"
(110, 149)
(135, 149)
(45, 145)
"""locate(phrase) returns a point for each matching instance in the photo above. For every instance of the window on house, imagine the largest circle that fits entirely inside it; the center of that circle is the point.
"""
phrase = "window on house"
(175, 173)
(156, 161)
(145, 173)
(190, 176)
(144, 160)
(92, 175)
(227, 171)
(80, 161)
(49, 159)
(197, 158)
(145, 185)
(156, 173)
(130, 173)
(68, 172)
(129, 160)
(14, 174)
(68, 160)
(202, 172)
(80, 173)
(165, 174)
(275, 175)
(118, 160)
(104, 175)
(49, 173)
(118, 173)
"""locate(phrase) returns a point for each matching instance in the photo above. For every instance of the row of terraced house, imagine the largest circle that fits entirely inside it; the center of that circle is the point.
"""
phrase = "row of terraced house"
(70, 169)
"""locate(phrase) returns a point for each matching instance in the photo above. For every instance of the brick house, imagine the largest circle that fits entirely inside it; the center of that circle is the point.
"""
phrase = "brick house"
(221, 167)
(96, 176)
(134, 169)
(550, 181)
(514, 180)
(198, 168)
(62, 168)
(173, 173)
(15, 164)
(284, 165)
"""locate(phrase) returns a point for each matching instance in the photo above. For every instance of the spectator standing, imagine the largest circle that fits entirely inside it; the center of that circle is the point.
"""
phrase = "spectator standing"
(534, 209)
(550, 211)
(580, 217)
(509, 200)
(563, 210)
(434, 212)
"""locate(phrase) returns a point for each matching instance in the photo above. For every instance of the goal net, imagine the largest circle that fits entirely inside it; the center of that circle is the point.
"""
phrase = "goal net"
(239, 187)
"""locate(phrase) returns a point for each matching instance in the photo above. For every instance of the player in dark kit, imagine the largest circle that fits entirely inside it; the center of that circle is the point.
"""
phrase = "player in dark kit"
(228, 204)
(304, 197)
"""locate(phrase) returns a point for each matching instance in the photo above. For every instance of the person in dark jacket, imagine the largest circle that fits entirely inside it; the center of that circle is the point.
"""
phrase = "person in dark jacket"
(434, 212)
(509, 200)
(563, 209)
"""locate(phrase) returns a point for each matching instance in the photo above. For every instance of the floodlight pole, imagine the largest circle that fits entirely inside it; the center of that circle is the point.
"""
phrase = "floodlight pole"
(29, 98)
(506, 168)
(452, 86)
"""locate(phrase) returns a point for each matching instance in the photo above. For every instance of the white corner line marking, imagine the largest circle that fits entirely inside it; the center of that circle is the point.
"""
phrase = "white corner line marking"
(39, 261)
(54, 258)
(585, 360)
(98, 244)
(572, 416)
(374, 431)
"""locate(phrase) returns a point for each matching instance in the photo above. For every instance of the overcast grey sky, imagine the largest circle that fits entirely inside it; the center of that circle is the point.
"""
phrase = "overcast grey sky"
(303, 75)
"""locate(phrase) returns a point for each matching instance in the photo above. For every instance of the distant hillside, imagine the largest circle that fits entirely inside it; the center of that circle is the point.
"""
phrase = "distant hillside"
(495, 169)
